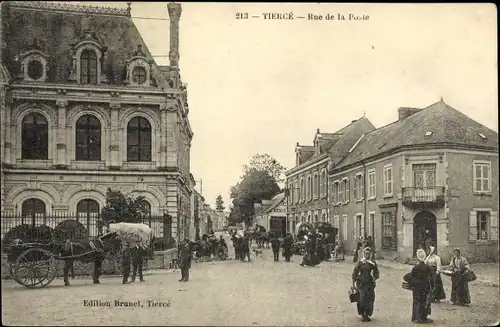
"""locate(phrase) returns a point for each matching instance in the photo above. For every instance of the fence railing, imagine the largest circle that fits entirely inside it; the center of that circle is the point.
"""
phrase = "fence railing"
(41, 227)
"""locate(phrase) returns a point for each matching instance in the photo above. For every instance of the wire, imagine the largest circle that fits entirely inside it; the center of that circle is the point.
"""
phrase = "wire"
(151, 18)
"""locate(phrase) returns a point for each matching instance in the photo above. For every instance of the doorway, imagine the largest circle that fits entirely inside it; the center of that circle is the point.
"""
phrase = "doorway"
(424, 231)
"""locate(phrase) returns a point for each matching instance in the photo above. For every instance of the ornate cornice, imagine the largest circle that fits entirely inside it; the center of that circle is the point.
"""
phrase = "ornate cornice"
(61, 6)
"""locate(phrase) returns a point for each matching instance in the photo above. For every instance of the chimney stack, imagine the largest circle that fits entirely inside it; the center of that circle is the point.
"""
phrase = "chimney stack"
(404, 112)
(174, 11)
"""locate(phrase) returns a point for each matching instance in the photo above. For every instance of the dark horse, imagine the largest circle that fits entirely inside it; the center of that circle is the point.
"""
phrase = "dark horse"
(93, 250)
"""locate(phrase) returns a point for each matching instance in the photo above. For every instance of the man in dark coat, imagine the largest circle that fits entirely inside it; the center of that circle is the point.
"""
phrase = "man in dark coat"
(138, 254)
(236, 245)
(185, 260)
(126, 260)
(287, 247)
(245, 247)
(275, 246)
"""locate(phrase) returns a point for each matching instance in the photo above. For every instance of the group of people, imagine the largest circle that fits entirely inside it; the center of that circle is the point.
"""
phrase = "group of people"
(317, 249)
(424, 280)
(287, 247)
(241, 246)
(132, 255)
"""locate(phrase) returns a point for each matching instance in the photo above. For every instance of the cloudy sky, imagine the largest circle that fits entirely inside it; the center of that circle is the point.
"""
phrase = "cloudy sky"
(261, 86)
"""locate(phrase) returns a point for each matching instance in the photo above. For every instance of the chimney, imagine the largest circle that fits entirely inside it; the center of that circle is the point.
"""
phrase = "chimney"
(174, 12)
(404, 112)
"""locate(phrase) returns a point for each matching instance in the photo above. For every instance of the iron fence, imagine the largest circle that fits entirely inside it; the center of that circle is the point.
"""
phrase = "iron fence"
(41, 227)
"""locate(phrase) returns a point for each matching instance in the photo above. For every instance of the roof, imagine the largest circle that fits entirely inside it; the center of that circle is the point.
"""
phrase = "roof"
(276, 201)
(338, 144)
(448, 126)
(58, 25)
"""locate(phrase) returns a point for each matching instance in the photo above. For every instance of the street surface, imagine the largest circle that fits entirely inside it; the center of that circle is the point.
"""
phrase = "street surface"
(232, 293)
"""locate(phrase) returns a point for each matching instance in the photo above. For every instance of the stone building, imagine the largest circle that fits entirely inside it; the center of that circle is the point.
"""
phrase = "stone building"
(429, 177)
(85, 107)
(307, 181)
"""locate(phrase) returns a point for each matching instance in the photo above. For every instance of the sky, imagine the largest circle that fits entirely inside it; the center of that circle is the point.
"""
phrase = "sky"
(260, 86)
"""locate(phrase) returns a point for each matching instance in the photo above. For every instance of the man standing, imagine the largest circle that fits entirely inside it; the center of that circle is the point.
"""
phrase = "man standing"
(245, 247)
(185, 260)
(126, 258)
(275, 245)
(287, 247)
(137, 262)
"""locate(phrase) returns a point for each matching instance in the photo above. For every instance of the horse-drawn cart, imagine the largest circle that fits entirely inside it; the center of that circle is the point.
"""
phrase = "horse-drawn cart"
(33, 265)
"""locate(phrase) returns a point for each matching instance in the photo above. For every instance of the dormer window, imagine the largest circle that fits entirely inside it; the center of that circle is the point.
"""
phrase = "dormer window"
(33, 64)
(139, 75)
(35, 69)
(88, 59)
(88, 67)
(138, 69)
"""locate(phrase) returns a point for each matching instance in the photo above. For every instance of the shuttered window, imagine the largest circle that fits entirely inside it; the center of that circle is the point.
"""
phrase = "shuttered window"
(483, 225)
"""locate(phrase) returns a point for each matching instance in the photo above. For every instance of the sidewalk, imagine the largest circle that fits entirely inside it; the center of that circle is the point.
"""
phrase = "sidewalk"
(486, 272)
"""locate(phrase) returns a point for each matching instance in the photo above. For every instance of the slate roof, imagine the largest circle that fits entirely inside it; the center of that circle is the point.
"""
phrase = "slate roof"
(306, 152)
(276, 201)
(56, 30)
(338, 143)
(448, 126)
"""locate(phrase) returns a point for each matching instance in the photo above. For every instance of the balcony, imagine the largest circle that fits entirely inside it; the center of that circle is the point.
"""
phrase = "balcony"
(423, 196)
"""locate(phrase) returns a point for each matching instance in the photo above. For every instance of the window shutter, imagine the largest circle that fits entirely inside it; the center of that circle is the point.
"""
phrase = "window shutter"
(362, 186)
(355, 188)
(494, 226)
(355, 229)
(474, 188)
(472, 226)
(347, 193)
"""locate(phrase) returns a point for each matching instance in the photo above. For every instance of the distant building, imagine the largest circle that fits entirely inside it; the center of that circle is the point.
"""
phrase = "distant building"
(272, 215)
(85, 107)
(430, 177)
(307, 182)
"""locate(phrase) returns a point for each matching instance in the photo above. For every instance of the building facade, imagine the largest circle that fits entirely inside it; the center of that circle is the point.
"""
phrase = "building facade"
(272, 215)
(307, 182)
(85, 107)
(431, 176)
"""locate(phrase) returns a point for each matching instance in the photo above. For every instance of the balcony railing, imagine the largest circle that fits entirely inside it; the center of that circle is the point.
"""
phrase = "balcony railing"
(423, 195)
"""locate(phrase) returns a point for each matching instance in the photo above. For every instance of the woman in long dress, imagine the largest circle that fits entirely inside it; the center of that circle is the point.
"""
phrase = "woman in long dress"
(364, 275)
(434, 261)
(358, 247)
(420, 283)
(459, 284)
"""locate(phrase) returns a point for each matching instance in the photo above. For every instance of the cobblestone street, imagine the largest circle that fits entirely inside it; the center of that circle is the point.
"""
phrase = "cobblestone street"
(260, 292)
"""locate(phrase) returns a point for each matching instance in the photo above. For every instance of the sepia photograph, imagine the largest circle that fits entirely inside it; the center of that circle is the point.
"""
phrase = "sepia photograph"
(249, 164)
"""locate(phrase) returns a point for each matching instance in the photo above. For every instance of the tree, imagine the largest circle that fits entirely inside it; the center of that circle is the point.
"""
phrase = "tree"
(219, 203)
(265, 162)
(254, 186)
(120, 208)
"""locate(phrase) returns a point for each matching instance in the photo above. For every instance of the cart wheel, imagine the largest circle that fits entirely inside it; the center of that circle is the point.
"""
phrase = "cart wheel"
(35, 268)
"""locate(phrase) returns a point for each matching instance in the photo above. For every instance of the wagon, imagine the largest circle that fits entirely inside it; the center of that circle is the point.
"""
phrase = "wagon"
(33, 265)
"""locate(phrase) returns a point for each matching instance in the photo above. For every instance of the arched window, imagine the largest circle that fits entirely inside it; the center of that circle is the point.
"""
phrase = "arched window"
(35, 137)
(139, 139)
(88, 67)
(87, 207)
(88, 138)
(33, 207)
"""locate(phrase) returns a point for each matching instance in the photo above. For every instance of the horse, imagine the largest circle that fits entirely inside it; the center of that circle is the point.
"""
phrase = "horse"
(93, 250)
(202, 249)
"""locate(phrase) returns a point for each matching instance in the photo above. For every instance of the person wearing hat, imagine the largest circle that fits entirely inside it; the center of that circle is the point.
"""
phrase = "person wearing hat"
(364, 275)
(185, 260)
(459, 285)
(287, 247)
(245, 247)
(126, 260)
(420, 283)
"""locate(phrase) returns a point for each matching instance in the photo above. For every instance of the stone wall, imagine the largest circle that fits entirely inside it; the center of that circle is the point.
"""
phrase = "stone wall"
(161, 260)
